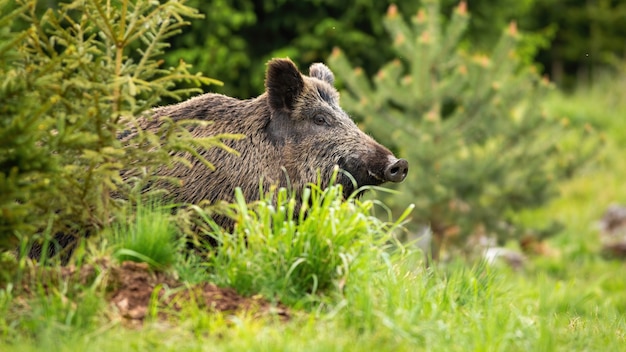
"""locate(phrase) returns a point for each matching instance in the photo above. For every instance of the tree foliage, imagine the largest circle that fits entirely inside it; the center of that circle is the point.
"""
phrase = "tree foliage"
(470, 124)
(586, 35)
(73, 78)
(239, 37)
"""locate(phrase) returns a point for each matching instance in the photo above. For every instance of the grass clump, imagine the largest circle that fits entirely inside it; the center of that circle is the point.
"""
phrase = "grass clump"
(281, 251)
(147, 235)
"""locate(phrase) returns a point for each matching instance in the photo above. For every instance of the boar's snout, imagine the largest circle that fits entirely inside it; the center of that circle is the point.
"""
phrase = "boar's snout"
(396, 170)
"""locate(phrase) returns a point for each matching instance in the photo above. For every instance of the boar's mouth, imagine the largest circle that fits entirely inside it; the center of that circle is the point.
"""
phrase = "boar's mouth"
(391, 170)
(355, 180)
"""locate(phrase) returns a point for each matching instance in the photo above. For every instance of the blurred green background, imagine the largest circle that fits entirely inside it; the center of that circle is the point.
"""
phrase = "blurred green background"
(569, 40)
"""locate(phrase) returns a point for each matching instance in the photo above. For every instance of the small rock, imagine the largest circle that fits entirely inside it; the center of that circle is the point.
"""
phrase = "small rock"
(613, 231)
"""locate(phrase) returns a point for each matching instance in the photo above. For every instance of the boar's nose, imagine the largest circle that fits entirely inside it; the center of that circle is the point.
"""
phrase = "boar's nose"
(396, 170)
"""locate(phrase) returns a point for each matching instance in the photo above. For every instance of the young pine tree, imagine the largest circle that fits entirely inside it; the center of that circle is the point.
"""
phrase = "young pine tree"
(470, 124)
(73, 75)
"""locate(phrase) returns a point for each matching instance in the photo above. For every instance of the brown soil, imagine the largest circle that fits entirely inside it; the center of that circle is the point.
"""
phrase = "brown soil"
(135, 285)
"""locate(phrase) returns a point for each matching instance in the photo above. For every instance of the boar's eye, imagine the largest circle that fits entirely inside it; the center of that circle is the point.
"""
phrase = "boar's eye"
(319, 120)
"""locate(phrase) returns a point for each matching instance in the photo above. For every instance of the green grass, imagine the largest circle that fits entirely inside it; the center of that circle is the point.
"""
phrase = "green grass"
(279, 252)
(403, 308)
(351, 287)
(149, 236)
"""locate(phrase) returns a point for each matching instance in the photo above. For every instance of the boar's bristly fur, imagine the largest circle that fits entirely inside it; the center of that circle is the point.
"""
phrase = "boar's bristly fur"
(292, 131)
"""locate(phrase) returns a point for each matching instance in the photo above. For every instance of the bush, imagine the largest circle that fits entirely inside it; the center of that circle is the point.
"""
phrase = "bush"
(470, 124)
(72, 80)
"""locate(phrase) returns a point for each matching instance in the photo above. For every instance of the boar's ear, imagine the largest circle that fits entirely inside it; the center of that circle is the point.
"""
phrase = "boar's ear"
(283, 83)
(321, 71)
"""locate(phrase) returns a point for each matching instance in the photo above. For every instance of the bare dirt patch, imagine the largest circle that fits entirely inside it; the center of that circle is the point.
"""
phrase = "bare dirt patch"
(136, 286)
